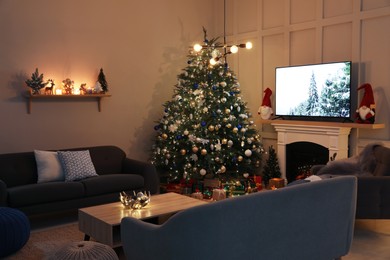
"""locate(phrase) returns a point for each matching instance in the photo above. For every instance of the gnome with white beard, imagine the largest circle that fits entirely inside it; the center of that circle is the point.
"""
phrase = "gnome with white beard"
(366, 112)
(265, 110)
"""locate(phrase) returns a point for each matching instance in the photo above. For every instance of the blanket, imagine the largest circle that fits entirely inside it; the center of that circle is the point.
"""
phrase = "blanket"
(362, 164)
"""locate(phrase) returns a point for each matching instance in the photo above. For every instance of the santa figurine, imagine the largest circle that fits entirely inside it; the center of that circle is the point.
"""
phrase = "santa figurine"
(366, 112)
(265, 110)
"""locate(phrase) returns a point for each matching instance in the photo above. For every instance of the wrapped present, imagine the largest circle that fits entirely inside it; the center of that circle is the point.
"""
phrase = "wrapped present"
(212, 183)
(276, 183)
(174, 187)
(219, 194)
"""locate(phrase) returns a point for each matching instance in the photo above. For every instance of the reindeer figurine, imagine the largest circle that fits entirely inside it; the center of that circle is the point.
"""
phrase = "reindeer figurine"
(83, 89)
(49, 88)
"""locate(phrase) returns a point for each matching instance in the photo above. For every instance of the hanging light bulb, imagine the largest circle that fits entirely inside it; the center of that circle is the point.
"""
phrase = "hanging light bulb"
(197, 47)
(234, 49)
(248, 45)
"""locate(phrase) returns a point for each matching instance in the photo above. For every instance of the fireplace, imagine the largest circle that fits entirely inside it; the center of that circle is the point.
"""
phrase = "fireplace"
(300, 156)
(332, 137)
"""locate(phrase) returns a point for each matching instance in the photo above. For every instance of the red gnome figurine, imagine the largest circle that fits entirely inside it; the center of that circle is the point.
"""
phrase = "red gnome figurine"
(265, 110)
(366, 112)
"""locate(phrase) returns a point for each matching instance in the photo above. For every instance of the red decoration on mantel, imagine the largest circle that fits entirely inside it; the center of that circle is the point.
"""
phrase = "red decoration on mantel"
(366, 112)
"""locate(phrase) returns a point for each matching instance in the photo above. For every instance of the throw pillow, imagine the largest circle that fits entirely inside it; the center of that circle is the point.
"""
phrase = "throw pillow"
(77, 165)
(48, 166)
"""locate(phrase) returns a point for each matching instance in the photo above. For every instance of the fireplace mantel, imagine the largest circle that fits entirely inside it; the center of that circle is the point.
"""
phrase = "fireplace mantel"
(332, 135)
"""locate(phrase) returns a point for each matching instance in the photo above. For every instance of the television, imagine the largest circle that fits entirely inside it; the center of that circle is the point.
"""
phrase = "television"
(320, 92)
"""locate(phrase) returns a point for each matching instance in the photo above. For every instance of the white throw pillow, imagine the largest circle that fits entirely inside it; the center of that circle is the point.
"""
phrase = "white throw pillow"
(48, 166)
(77, 165)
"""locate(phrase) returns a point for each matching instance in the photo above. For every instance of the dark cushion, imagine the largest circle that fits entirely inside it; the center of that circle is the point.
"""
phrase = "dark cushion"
(112, 183)
(39, 193)
(18, 169)
(382, 155)
(107, 159)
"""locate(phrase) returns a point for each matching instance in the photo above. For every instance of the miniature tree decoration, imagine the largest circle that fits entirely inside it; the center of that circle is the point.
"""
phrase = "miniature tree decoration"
(206, 129)
(102, 81)
(271, 168)
(36, 82)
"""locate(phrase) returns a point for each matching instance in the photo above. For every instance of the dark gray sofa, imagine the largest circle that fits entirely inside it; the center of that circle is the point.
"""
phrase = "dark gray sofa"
(19, 188)
(372, 168)
(313, 220)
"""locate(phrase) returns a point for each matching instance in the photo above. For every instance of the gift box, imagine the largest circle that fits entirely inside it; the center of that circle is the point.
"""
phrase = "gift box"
(219, 194)
(276, 183)
(212, 183)
(174, 187)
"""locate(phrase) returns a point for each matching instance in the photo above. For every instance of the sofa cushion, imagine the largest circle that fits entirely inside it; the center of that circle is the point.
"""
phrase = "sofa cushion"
(39, 193)
(48, 166)
(112, 183)
(382, 155)
(77, 165)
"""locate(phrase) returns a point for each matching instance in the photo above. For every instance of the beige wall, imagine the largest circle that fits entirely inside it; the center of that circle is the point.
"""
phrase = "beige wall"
(290, 32)
(141, 45)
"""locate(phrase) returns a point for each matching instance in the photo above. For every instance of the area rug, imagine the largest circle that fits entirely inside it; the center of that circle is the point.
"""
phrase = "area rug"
(42, 244)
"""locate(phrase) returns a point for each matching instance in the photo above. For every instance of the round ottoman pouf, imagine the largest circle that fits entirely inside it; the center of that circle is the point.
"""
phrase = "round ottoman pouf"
(85, 250)
(14, 230)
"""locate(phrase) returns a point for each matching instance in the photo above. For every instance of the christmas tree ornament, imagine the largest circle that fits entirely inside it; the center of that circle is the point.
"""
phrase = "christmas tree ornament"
(235, 130)
(265, 110)
(203, 152)
(211, 128)
(202, 172)
(224, 141)
(248, 153)
(222, 169)
(366, 112)
(195, 149)
(164, 136)
(183, 151)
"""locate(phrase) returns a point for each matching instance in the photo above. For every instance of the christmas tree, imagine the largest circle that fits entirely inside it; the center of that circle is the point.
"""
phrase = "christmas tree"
(102, 81)
(271, 168)
(36, 82)
(206, 131)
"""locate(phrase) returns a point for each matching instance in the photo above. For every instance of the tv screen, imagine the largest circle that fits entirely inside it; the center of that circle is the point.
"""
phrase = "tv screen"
(315, 91)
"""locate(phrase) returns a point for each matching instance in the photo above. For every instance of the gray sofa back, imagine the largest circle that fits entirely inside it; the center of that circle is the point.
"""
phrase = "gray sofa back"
(308, 221)
(18, 169)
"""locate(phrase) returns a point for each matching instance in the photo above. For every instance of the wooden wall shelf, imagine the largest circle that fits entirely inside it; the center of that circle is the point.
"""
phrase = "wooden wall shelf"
(98, 97)
(322, 123)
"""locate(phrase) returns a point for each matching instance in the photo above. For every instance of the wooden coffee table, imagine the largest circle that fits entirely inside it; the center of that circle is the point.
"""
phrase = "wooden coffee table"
(102, 222)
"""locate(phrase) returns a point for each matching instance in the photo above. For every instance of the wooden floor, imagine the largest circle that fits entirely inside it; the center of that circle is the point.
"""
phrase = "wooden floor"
(371, 238)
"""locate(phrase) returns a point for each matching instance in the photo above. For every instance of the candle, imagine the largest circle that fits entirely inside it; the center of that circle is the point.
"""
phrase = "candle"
(58, 91)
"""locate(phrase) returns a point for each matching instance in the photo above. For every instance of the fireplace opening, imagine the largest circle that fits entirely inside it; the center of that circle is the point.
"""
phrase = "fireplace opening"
(301, 156)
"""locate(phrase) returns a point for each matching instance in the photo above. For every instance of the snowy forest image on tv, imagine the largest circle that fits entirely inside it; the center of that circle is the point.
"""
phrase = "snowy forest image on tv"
(320, 90)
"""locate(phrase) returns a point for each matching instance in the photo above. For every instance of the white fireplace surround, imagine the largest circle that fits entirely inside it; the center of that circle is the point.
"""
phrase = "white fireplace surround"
(334, 138)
